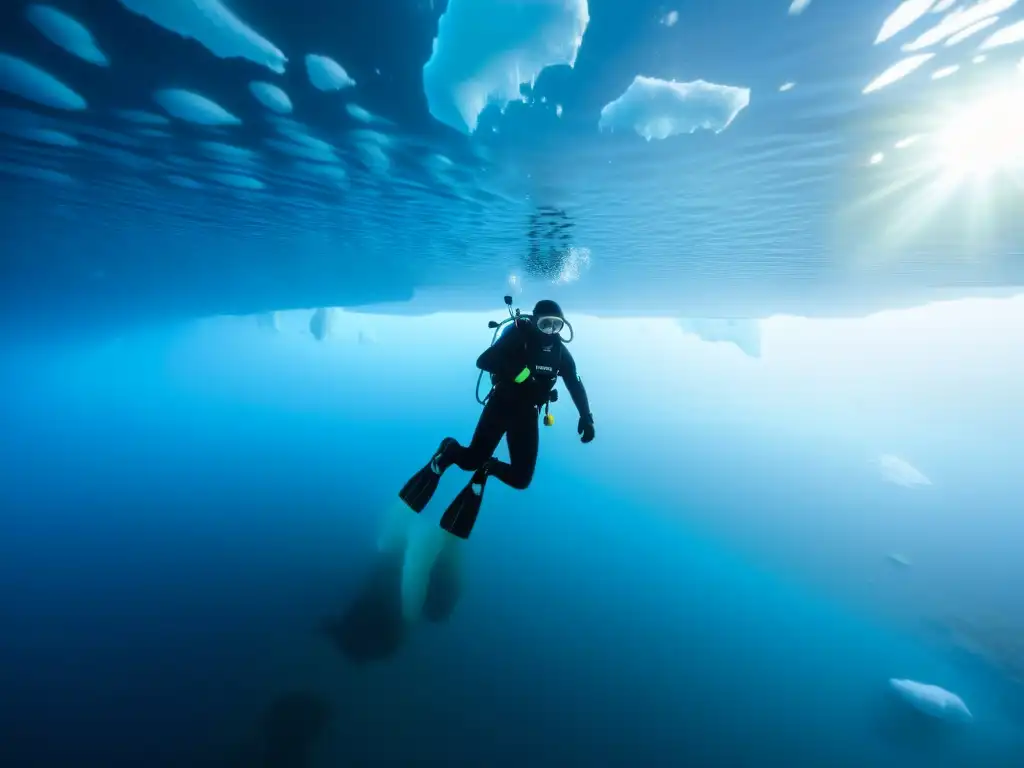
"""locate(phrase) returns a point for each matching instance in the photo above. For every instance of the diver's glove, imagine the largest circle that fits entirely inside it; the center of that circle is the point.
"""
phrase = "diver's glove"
(586, 428)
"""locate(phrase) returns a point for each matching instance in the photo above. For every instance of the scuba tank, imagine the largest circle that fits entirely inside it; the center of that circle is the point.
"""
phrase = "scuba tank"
(515, 318)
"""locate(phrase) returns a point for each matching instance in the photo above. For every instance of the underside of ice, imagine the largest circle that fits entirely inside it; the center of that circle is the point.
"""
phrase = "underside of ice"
(193, 108)
(657, 109)
(326, 74)
(66, 32)
(212, 25)
(485, 52)
(932, 700)
(270, 96)
(745, 334)
(28, 81)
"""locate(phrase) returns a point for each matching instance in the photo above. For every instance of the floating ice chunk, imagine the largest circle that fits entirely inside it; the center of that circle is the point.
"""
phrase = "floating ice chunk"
(221, 151)
(363, 115)
(193, 108)
(798, 6)
(907, 141)
(900, 472)
(657, 109)
(485, 52)
(943, 5)
(958, 20)
(897, 71)
(972, 30)
(373, 157)
(786, 87)
(906, 13)
(322, 322)
(141, 117)
(28, 81)
(939, 74)
(271, 97)
(213, 26)
(323, 154)
(237, 180)
(326, 74)
(876, 158)
(371, 137)
(66, 32)
(184, 182)
(558, 110)
(897, 559)
(932, 700)
(744, 333)
(670, 19)
(1005, 36)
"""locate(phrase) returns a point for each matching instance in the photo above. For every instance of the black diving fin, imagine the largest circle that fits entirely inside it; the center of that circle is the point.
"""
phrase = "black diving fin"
(460, 517)
(419, 490)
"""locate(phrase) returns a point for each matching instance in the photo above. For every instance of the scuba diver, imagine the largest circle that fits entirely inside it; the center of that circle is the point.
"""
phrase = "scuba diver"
(524, 364)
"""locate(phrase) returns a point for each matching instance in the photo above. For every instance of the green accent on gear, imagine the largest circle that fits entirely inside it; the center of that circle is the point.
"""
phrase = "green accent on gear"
(523, 376)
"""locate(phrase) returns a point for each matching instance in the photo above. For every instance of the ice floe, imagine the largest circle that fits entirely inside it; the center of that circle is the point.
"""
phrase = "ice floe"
(957, 21)
(271, 97)
(798, 6)
(972, 30)
(362, 115)
(1005, 36)
(215, 27)
(61, 29)
(897, 71)
(906, 13)
(786, 87)
(237, 180)
(657, 109)
(900, 472)
(326, 74)
(932, 700)
(228, 152)
(670, 19)
(485, 52)
(939, 74)
(29, 82)
(744, 333)
(322, 152)
(141, 117)
(193, 108)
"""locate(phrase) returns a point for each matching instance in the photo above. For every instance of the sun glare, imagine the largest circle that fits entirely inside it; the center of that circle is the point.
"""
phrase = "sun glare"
(985, 138)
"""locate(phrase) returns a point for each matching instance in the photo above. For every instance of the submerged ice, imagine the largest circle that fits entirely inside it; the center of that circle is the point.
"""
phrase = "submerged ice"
(271, 97)
(657, 109)
(326, 74)
(212, 25)
(193, 108)
(485, 52)
(745, 334)
(29, 82)
(68, 33)
(932, 700)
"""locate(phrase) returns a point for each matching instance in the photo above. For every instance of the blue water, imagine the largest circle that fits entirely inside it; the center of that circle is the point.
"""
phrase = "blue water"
(220, 362)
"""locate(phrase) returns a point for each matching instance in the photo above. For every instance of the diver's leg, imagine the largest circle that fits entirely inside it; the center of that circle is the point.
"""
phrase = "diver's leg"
(523, 442)
(488, 433)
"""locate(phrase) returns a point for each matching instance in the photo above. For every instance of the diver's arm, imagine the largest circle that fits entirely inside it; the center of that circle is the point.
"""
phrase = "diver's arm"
(503, 356)
(567, 370)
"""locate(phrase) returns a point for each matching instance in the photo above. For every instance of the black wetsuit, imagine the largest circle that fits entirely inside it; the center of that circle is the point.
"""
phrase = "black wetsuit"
(513, 410)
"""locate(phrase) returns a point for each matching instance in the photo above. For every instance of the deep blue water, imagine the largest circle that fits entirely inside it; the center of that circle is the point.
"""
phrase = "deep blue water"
(225, 348)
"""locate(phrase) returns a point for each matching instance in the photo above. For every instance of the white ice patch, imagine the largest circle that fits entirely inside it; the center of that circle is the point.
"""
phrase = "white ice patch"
(326, 74)
(60, 29)
(28, 81)
(362, 115)
(905, 14)
(957, 21)
(900, 472)
(897, 71)
(304, 148)
(786, 87)
(670, 19)
(1005, 36)
(972, 30)
(744, 333)
(141, 117)
(932, 700)
(485, 52)
(657, 109)
(798, 6)
(271, 97)
(213, 26)
(193, 108)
